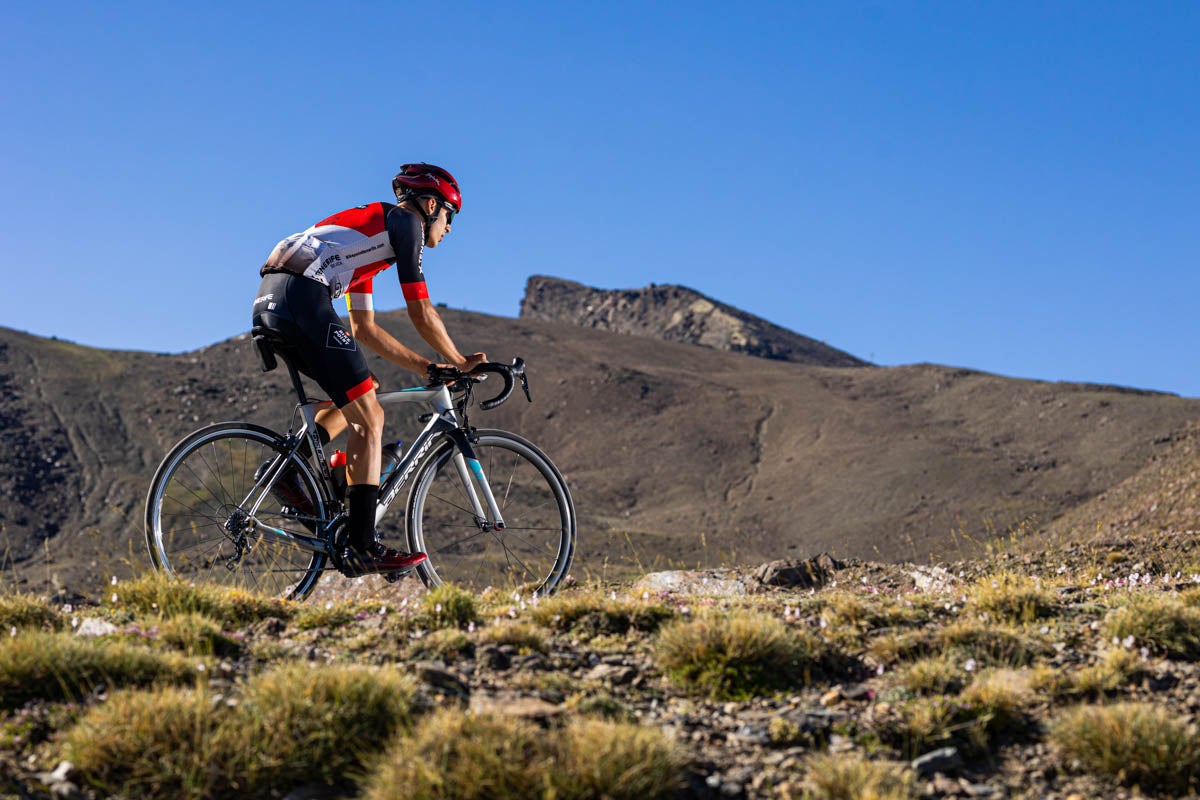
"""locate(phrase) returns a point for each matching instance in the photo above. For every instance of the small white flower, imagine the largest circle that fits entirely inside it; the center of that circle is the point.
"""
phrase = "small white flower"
(645, 595)
(114, 597)
(328, 604)
(382, 610)
(970, 665)
(1128, 642)
(1045, 629)
(471, 627)
(879, 670)
(12, 631)
(114, 580)
(200, 667)
(437, 609)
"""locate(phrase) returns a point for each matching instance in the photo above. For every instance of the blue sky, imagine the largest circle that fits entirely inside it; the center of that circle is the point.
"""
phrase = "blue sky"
(1012, 187)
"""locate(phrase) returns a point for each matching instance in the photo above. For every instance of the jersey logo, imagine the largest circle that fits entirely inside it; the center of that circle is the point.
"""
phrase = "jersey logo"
(340, 339)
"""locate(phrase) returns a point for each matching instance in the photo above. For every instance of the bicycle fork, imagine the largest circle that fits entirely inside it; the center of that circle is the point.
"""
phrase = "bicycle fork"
(470, 472)
(467, 469)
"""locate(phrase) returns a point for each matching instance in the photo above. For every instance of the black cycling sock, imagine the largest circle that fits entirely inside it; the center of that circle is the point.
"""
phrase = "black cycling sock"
(305, 449)
(362, 498)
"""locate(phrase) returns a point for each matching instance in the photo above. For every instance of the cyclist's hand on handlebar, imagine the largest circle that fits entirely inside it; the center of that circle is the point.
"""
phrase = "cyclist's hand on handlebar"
(473, 361)
(442, 373)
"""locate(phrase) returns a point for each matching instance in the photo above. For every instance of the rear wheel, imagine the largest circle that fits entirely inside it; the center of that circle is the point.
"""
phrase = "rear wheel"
(197, 514)
(534, 549)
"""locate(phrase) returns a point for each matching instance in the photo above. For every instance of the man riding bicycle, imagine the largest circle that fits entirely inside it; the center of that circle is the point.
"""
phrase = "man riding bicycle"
(340, 255)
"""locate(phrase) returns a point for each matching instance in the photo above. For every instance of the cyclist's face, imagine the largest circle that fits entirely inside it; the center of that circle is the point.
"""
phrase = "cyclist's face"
(438, 230)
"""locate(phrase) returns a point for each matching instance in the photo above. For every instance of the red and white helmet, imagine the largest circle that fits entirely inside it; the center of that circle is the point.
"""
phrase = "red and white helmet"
(415, 180)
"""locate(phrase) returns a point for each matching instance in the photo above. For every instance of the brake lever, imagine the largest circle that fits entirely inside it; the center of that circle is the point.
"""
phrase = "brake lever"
(518, 368)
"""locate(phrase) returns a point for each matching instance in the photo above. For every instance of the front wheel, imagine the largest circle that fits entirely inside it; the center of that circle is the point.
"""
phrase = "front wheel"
(533, 551)
(197, 514)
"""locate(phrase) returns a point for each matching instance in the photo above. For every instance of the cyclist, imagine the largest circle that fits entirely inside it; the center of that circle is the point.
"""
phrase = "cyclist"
(340, 255)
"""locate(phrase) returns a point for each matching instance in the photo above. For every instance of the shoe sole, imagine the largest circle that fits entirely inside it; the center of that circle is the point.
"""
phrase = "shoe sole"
(352, 569)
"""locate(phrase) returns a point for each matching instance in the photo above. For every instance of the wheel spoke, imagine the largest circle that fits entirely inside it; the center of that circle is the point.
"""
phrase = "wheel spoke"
(195, 520)
(535, 545)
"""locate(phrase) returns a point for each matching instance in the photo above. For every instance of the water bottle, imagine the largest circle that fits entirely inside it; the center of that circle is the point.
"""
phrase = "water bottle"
(337, 470)
(392, 454)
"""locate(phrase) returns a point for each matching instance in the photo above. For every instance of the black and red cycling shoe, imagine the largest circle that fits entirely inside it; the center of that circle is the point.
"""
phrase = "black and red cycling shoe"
(378, 558)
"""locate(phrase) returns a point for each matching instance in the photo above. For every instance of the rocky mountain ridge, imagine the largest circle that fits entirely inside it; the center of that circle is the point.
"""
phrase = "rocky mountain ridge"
(676, 314)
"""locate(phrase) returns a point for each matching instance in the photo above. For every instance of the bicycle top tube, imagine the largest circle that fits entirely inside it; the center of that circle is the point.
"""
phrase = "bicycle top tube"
(415, 394)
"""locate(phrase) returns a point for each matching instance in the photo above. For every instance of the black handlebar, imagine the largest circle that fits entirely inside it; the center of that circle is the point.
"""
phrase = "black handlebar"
(510, 373)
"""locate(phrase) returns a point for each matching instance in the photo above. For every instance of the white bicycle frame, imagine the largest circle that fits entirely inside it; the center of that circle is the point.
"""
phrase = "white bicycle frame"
(445, 420)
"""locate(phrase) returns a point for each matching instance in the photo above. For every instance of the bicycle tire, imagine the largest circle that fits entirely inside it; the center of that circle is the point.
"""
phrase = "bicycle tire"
(197, 489)
(531, 554)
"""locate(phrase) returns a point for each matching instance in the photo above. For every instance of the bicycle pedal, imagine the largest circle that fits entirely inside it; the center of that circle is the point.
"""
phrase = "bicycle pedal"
(392, 577)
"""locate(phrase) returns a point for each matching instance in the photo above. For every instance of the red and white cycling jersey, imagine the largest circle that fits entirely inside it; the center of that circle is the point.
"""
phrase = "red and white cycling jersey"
(346, 250)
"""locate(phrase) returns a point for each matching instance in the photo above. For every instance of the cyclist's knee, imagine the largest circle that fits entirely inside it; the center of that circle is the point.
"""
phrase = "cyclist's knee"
(365, 416)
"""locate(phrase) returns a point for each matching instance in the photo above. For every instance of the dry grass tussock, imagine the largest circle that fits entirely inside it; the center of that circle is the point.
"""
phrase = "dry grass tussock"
(1135, 743)
(832, 777)
(285, 727)
(36, 665)
(452, 754)
(739, 655)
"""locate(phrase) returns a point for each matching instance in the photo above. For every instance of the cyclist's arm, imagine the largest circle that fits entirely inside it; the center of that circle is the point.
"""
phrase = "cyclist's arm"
(367, 331)
(428, 323)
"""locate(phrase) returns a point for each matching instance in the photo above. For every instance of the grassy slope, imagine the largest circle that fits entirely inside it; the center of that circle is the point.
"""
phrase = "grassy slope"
(1052, 673)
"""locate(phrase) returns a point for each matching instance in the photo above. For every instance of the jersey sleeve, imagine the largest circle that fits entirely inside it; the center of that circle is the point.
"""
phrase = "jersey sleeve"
(407, 236)
(360, 296)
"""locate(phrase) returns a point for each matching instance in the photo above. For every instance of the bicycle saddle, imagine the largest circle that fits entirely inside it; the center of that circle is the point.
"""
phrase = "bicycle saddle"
(266, 341)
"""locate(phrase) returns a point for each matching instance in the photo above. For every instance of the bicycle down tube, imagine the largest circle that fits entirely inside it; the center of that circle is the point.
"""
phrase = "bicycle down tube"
(445, 421)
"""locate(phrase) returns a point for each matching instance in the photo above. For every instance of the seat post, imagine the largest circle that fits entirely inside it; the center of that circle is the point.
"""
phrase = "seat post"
(292, 371)
(270, 346)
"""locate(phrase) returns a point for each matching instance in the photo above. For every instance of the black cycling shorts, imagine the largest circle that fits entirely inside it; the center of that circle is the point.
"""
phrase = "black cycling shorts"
(301, 311)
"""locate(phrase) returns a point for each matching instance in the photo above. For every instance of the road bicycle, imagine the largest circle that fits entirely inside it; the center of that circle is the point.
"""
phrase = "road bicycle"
(488, 507)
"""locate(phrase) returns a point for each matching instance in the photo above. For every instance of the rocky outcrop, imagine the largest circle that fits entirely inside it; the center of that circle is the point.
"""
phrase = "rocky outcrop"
(675, 313)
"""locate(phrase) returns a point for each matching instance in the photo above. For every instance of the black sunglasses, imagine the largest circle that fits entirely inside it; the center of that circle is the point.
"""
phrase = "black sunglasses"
(450, 212)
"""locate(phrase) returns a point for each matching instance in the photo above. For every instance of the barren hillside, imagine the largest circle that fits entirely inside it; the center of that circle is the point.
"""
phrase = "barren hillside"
(676, 454)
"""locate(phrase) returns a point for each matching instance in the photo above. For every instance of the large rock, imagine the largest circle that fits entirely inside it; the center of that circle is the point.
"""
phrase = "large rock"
(811, 573)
